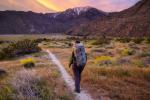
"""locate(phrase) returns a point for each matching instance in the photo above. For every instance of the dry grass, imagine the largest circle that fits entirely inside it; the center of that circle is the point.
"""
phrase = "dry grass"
(32, 36)
(118, 82)
(43, 82)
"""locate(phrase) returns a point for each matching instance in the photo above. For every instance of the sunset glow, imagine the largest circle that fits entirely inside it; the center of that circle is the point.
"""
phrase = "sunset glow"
(60, 5)
(49, 4)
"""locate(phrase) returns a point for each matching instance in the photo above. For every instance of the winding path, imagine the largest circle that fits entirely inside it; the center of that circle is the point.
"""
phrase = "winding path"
(68, 79)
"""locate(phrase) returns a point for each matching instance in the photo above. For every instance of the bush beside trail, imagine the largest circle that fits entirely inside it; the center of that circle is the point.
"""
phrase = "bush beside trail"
(19, 48)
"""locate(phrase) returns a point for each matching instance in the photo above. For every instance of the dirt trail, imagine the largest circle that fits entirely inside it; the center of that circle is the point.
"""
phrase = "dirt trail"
(68, 79)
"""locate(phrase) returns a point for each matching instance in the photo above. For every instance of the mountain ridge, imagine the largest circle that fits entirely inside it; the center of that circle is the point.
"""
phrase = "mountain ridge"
(81, 21)
(19, 22)
(133, 21)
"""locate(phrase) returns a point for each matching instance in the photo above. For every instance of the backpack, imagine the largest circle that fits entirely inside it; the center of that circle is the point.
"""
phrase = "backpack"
(80, 54)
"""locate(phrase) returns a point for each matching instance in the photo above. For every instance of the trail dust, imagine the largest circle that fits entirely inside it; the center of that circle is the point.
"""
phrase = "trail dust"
(68, 79)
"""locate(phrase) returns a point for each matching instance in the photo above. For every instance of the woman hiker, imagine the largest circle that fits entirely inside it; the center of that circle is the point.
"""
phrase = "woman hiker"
(78, 61)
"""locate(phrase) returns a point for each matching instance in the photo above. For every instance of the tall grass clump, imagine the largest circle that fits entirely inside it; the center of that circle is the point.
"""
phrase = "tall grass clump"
(3, 73)
(7, 92)
(116, 72)
(140, 63)
(101, 41)
(1, 41)
(28, 63)
(127, 52)
(138, 40)
(30, 86)
(144, 54)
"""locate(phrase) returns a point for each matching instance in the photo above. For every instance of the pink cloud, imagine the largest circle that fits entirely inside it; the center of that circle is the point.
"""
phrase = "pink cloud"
(56, 5)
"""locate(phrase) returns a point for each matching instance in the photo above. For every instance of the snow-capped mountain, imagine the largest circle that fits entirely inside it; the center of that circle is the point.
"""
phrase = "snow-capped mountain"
(79, 11)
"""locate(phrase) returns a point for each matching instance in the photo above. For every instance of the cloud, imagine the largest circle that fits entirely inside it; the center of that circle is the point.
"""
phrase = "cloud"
(60, 5)
(23, 5)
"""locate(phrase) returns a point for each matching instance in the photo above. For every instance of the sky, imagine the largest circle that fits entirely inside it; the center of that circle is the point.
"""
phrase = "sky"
(47, 6)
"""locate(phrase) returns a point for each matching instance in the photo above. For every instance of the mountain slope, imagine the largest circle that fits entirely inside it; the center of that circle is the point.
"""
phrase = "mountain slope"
(142, 7)
(17, 22)
(130, 22)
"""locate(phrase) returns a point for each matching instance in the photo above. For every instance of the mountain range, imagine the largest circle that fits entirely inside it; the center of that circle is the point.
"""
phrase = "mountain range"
(134, 21)
(19, 22)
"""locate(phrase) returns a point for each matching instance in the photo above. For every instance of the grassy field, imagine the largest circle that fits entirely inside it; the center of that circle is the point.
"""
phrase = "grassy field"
(117, 68)
(42, 81)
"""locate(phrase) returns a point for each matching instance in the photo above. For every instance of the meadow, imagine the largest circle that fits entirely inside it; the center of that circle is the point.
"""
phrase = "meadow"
(117, 68)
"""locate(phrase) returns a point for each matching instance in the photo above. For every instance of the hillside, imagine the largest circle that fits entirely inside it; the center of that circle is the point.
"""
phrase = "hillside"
(19, 22)
(80, 21)
(130, 22)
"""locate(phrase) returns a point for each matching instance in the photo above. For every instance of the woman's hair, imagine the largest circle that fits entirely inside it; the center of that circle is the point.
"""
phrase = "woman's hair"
(77, 41)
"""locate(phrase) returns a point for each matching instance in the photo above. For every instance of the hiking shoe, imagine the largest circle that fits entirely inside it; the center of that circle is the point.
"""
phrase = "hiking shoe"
(77, 91)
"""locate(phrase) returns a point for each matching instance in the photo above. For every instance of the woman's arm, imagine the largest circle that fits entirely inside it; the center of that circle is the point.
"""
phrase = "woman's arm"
(71, 59)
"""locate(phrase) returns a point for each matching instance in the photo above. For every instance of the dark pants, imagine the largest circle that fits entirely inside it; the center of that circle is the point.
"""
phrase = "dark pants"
(77, 70)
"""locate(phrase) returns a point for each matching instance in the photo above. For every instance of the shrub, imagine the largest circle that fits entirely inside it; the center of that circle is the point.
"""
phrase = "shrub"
(39, 40)
(25, 46)
(124, 40)
(19, 48)
(2, 54)
(148, 40)
(8, 52)
(127, 52)
(144, 54)
(124, 60)
(140, 63)
(2, 72)
(72, 38)
(1, 41)
(28, 63)
(103, 60)
(101, 50)
(70, 44)
(138, 40)
(101, 41)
